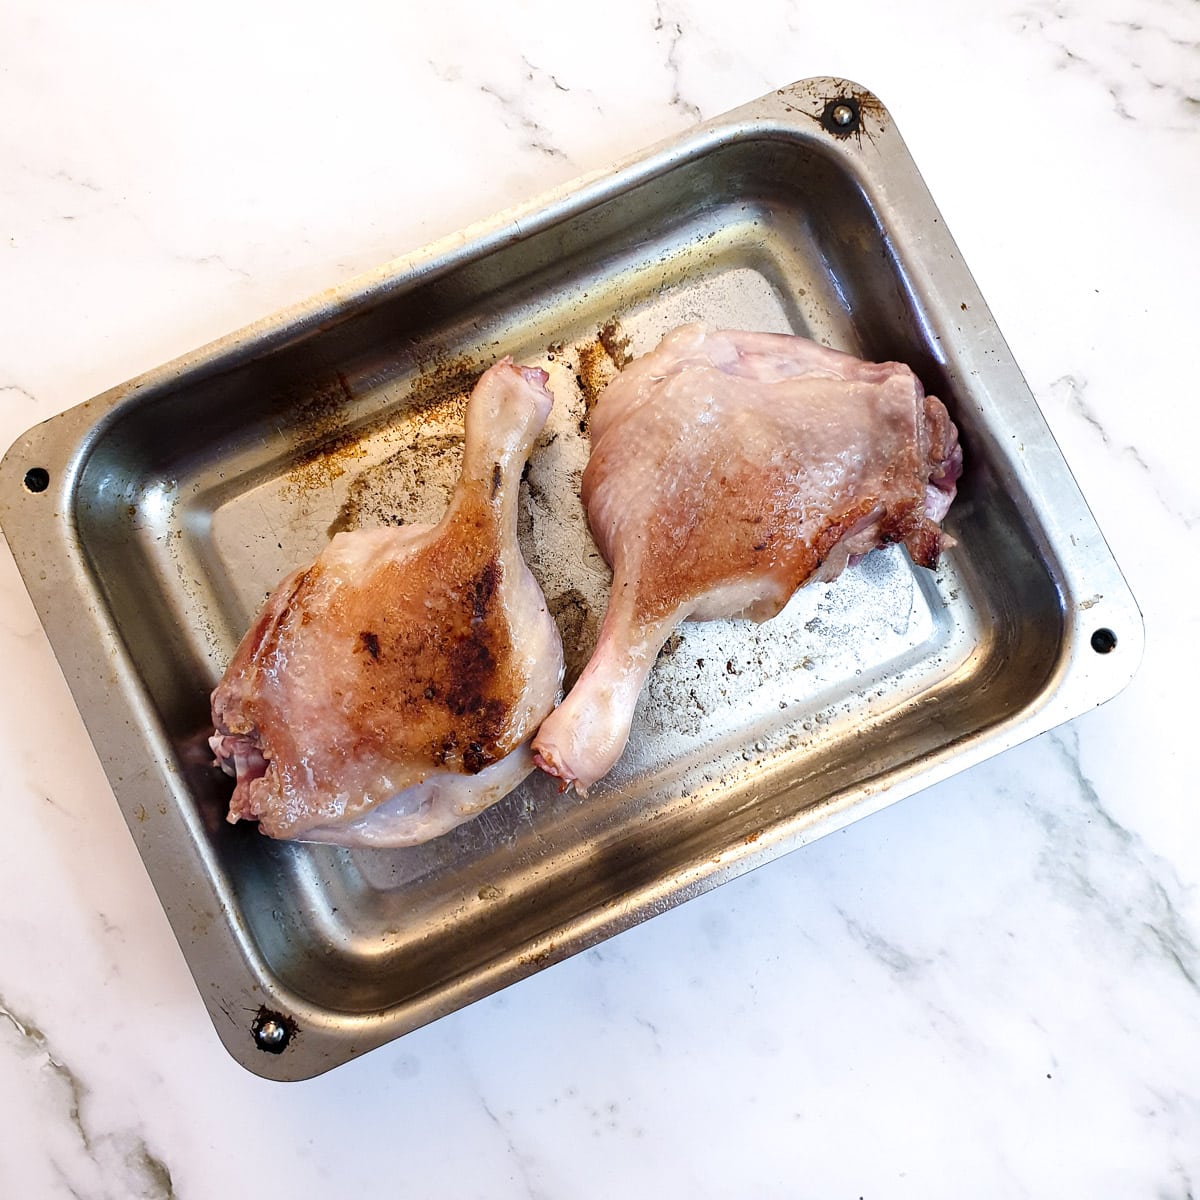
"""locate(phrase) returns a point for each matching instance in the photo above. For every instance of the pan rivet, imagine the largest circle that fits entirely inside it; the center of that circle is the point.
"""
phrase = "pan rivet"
(271, 1033)
(842, 115)
(37, 479)
(1104, 641)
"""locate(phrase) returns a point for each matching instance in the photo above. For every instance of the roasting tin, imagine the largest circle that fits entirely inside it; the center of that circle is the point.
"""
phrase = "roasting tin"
(150, 522)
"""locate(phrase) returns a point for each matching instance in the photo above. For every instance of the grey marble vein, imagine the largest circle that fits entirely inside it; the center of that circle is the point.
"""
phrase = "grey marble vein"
(518, 103)
(653, 1030)
(1158, 928)
(66, 812)
(65, 1180)
(32, 1034)
(1147, 68)
(1074, 389)
(664, 23)
(153, 1169)
(535, 72)
(1184, 1186)
(895, 958)
(514, 1152)
(210, 260)
(76, 181)
(123, 1158)
(16, 387)
(536, 136)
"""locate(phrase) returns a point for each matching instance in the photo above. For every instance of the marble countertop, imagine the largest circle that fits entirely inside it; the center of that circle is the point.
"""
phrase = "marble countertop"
(991, 988)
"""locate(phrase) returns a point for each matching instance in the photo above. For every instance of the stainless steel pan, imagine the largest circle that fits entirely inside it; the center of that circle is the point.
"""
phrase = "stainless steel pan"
(150, 522)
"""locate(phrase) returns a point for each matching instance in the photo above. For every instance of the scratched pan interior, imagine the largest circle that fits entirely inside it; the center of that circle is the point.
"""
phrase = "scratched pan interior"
(177, 502)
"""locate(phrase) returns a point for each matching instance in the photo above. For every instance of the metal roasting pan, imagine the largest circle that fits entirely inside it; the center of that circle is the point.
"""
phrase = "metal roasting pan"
(150, 522)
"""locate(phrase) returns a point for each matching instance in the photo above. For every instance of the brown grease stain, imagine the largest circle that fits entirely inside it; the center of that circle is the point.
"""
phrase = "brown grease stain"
(599, 361)
(615, 342)
(871, 112)
(443, 388)
(325, 444)
(578, 627)
(377, 495)
(436, 400)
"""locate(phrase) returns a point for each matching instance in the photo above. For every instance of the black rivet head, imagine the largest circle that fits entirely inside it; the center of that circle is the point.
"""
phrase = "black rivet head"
(842, 116)
(1104, 641)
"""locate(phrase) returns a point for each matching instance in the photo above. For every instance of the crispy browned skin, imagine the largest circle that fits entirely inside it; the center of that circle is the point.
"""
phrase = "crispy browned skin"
(430, 676)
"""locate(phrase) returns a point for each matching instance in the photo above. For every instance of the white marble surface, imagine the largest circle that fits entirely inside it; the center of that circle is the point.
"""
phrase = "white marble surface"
(991, 989)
